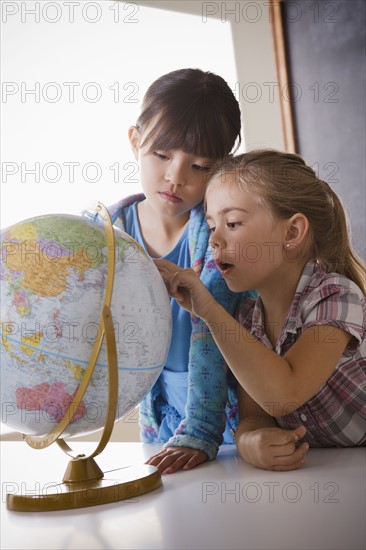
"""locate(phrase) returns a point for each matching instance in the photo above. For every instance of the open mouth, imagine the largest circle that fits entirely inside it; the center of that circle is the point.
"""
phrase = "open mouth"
(225, 268)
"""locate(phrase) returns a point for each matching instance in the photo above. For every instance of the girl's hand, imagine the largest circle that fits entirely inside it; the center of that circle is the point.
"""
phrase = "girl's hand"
(172, 459)
(184, 285)
(273, 448)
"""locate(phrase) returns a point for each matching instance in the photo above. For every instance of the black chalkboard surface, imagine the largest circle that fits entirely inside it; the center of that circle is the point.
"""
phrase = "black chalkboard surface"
(325, 49)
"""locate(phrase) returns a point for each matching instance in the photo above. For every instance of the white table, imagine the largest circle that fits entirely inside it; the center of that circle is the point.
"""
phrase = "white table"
(224, 504)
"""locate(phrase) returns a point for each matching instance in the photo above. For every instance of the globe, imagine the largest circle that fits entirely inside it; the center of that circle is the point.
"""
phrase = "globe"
(53, 278)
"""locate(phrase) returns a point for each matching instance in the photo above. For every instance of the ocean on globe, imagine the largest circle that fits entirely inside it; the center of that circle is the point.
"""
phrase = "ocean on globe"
(53, 279)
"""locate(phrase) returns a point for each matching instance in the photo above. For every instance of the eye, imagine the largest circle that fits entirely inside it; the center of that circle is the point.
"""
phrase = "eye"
(199, 168)
(232, 225)
(160, 156)
(211, 231)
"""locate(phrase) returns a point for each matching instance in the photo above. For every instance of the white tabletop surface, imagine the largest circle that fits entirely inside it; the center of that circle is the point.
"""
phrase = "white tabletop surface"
(224, 504)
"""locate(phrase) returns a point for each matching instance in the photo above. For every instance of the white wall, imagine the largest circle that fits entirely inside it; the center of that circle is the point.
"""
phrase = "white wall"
(73, 77)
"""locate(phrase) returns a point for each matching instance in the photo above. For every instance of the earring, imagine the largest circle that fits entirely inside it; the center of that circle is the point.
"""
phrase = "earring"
(287, 245)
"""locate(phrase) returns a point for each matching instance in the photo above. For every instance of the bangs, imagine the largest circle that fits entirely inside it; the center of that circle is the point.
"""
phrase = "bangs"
(196, 132)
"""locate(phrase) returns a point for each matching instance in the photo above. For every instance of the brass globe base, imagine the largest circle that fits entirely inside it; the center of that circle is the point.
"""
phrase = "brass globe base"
(121, 484)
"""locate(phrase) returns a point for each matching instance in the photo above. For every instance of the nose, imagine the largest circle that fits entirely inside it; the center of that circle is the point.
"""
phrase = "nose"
(216, 241)
(176, 173)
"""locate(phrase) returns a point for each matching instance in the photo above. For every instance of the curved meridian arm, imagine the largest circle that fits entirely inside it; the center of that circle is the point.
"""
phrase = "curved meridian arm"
(106, 331)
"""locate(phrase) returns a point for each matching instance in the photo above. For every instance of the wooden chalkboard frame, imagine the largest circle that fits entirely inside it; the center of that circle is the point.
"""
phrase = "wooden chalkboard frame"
(282, 75)
(322, 54)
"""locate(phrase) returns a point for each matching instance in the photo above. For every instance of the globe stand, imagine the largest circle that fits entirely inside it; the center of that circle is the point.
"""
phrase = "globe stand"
(84, 483)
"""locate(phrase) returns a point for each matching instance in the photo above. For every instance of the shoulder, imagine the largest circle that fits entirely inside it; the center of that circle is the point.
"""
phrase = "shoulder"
(120, 209)
(116, 209)
(331, 298)
(331, 288)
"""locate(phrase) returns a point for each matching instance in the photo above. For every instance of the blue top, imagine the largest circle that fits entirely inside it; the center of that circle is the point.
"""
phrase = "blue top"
(174, 377)
(177, 359)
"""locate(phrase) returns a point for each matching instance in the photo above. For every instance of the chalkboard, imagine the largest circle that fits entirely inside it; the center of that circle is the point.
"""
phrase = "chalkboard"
(325, 54)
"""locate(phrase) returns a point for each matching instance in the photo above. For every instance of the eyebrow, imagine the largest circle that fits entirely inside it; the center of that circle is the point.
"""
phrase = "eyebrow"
(230, 209)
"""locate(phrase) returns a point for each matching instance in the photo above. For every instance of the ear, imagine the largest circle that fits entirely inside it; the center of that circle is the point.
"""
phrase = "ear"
(297, 231)
(134, 137)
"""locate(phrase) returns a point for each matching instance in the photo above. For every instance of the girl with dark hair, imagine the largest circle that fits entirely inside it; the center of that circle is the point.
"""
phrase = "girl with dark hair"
(189, 120)
(298, 351)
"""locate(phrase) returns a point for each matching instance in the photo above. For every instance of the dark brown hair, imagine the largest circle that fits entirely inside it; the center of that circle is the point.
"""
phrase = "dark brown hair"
(286, 185)
(191, 110)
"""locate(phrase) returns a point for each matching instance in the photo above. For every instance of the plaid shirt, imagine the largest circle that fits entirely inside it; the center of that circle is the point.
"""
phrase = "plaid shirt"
(335, 415)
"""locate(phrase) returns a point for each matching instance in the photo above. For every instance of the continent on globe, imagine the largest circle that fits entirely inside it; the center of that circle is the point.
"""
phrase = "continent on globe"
(53, 276)
(52, 400)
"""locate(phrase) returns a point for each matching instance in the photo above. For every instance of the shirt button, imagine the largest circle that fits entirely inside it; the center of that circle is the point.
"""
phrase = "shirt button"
(303, 417)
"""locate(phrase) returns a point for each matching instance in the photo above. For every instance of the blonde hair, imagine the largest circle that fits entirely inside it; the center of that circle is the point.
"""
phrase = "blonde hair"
(286, 185)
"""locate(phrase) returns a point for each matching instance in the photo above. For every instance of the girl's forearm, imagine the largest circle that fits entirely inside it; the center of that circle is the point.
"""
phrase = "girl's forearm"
(264, 375)
(278, 384)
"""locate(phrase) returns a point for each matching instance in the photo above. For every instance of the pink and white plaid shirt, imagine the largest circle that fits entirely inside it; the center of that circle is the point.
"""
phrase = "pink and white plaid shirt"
(336, 415)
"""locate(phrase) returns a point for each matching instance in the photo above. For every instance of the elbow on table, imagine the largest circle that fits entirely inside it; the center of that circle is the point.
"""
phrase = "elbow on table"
(282, 406)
